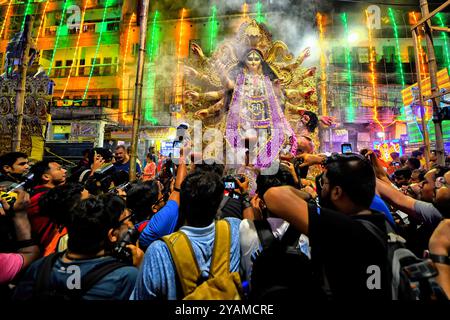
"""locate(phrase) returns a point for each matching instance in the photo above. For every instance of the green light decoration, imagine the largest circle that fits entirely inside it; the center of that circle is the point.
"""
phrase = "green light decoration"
(151, 76)
(58, 34)
(444, 37)
(348, 58)
(103, 27)
(398, 57)
(27, 8)
(259, 15)
(212, 29)
(397, 47)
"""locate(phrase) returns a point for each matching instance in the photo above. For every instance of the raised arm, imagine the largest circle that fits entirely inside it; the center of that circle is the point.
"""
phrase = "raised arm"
(396, 198)
(285, 203)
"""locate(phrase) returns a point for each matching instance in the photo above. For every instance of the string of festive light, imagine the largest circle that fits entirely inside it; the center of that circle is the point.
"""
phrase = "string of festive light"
(41, 24)
(179, 77)
(74, 59)
(212, 29)
(373, 79)
(151, 72)
(421, 51)
(126, 117)
(27, 8)
(348, 59)
(323, 64)
(96, 50)
(445, 39)
(6, 18)
(58, 34)
(259, 14)
(397, 46)
(244, 10)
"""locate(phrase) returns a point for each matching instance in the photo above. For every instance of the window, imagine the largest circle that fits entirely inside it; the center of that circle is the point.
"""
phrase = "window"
(439, 52)
(58, 68)
(47, 54)
(411, 55)
(115, 101)
(67, 68)
(81, 67)
(363, 55)
(113, 26)
(89, 28)
(104, 101)
(135, 49)
(107, 68)
(92, 101)
(94, 63)
(389, 54)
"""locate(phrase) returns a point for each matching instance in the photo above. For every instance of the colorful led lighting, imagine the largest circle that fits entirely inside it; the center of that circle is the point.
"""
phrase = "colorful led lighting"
(373, 79)
(58, 33)
(41, 24)
(96, 50)
(348, 59)
(259, 14)
(323, 64)
(179, 77)
(151, 72)
(25, 14)
(123, 109)
(421, 52)
(397, 47)
(446, 44)
(212, 29)
(74, 59)
(6, 18)
(245, 10)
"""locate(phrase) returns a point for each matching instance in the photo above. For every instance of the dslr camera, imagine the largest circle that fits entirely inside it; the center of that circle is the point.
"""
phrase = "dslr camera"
(230, 181)
(121, 251)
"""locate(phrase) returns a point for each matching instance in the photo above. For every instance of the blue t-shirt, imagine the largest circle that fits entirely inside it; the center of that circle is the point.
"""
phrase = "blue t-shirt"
(156, 279)
(116, 285)
(379, 205)
(126, 167)
(160, 225)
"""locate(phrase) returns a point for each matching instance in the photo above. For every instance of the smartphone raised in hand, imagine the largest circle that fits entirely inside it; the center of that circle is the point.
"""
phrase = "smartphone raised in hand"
(346, 148)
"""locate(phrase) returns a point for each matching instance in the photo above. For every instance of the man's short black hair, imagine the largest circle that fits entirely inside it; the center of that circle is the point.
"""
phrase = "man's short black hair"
(141, 197)
(39, 169)
(210, 165)
(355, 175)
(90, 222)
(415, 163)
(403, 172)
(105, 153)
(282, 178)
(200, 197)
(8, 159)
(58, 203)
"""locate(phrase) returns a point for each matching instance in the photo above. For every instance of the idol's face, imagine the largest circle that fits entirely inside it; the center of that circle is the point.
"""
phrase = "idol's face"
(253, 61)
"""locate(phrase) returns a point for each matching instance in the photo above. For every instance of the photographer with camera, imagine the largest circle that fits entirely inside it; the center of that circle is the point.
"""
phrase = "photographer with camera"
(98, 178)
(147, 199)
(26, 251)
(95, 265)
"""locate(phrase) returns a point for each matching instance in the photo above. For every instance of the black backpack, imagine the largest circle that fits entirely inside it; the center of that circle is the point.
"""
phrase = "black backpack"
(280, 271)
(44, 291)
(411, 278)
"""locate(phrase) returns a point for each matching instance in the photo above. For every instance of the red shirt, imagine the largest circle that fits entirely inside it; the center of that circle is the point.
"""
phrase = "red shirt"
(41, 226)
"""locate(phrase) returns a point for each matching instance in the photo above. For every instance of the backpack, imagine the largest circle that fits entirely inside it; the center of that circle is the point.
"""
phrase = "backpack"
(411, 278)
(221, 283)
(44, 291)
(280, 271)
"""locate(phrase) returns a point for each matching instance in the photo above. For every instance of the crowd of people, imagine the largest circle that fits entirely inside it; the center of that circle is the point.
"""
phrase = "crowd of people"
(201, 230)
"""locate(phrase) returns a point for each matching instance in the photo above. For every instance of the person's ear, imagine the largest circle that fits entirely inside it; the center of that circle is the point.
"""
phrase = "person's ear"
(336, 193)
(112, 236)
(46, 177)
(154, 209)
(7, 168)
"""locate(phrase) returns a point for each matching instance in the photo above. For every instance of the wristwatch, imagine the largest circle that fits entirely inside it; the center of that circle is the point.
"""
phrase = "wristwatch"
(246, 201)
(436, 258)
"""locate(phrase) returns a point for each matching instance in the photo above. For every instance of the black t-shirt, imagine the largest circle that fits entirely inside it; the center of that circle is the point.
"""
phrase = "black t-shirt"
(345, 251)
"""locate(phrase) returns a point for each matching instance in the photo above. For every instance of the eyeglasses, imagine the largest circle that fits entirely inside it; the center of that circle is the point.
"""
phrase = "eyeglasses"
(440, 182)
(321, 182)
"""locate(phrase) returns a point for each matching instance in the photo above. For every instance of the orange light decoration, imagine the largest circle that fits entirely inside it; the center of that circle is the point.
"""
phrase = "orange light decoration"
(74, 59)
(182, 51)
(388, 147)
(421, 52)
(323, 64)
(6, 18)
(245, 10)
(124, 107)
(373, 78)
(42, 21)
